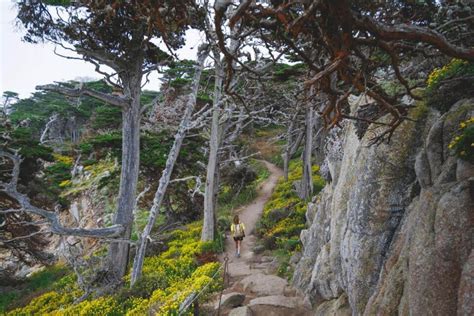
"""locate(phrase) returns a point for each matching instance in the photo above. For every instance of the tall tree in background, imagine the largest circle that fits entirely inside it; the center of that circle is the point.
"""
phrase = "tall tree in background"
(117, 34)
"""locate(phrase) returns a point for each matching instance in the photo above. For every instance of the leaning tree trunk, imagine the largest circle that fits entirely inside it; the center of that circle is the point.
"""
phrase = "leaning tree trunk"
(210, 201)
(307, 181)
(118, 253)
(166, 175)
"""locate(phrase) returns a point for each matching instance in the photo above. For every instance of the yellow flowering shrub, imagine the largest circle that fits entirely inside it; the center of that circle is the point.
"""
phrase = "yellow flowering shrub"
(284, 214)
(463, 143)
(450, 83)
(168, 301)
(47, 304)
(64, 159)
(97, 307)
(448, 70)
(167, 280)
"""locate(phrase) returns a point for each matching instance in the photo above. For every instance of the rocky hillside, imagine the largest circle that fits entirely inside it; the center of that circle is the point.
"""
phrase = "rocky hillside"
(393, 232)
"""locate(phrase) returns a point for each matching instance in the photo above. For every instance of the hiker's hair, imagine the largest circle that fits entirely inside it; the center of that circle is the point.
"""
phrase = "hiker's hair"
(236, 219)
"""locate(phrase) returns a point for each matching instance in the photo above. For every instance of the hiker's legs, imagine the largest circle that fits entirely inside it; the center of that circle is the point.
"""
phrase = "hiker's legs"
(238, 246)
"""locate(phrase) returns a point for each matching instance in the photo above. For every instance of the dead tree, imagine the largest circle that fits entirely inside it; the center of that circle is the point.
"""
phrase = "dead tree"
(306, 189)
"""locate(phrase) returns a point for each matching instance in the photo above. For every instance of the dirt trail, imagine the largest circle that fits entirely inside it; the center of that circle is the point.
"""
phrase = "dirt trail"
(253, 287)
(250, 213)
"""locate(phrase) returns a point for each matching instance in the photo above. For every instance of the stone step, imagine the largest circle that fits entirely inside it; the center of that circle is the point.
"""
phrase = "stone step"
(277, 305)
(263, 284)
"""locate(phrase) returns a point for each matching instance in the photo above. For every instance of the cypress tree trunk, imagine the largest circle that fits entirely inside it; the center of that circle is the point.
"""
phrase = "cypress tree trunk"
(118, 253)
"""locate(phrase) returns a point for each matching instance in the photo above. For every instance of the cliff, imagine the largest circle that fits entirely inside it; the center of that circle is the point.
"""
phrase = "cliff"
(393, 232)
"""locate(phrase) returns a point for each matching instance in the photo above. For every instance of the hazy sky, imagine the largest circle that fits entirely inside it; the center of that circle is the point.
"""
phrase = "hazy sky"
(24, 66)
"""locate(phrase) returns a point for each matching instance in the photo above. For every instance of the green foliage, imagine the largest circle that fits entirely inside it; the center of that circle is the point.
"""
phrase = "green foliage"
(284, 268)
(107, 117)
(6, 299)
(463, 144)
(38, 109)
(204, 97)
(46, 277)
(103, 144)
(64, 3)
(22, 137)
(179, 74)
(179, 82)
(450, 83)
(154, 150)
(140, 221)
(283, 72)
(57, 176)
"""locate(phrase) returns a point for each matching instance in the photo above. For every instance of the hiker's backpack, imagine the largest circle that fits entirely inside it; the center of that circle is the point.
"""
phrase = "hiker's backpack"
(238, 231)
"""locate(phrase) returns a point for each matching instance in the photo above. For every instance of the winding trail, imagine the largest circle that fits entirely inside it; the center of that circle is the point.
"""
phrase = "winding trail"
(250, 213)
(253, 288)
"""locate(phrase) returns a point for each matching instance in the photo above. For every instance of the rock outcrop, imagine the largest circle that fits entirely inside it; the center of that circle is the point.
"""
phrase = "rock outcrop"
(393, 233)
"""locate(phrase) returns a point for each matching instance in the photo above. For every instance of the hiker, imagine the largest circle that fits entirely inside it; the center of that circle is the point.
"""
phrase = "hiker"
(238, 232)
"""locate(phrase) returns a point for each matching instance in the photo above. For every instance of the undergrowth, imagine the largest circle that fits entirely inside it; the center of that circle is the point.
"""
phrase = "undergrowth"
(187, 266)
(40, 281)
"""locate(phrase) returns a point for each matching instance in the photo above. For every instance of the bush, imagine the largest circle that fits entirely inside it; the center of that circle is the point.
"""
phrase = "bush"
(450, 83)
(168, 279)
(463, 144)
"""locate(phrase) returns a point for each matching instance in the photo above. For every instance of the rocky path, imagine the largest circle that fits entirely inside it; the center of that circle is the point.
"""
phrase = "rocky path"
(253, 288)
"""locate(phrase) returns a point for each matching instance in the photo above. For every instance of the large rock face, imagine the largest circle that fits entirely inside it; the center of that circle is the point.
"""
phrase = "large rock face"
(393, 233)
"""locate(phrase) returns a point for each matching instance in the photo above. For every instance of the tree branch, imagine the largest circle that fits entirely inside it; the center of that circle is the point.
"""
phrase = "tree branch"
(413, 33)
(55, 225)
(113, 100)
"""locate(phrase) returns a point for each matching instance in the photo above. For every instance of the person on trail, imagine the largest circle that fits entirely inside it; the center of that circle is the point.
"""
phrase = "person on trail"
(237, 230)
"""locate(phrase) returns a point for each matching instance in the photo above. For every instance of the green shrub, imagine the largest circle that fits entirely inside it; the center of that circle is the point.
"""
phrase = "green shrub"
(6, 299)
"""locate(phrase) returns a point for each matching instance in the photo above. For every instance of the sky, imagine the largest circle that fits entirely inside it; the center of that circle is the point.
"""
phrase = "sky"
(24, 66)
